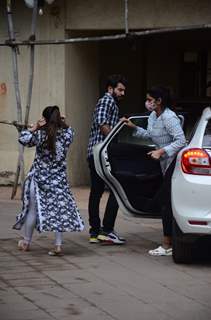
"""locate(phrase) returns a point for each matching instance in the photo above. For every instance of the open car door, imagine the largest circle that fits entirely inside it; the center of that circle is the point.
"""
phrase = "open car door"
(135, 178)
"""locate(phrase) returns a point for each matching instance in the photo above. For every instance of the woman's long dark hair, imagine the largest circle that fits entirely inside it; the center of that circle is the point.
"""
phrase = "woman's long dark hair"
(53, 123)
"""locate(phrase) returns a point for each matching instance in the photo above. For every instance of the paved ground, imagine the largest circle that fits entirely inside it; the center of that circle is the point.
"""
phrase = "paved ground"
(97, 282)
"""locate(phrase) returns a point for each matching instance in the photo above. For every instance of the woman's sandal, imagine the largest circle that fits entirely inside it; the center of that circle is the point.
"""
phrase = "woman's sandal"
(23, 245)
(54, 253)
(160, 251)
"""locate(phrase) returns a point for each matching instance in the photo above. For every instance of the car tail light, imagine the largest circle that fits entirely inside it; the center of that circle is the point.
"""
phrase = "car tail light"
(196, 161)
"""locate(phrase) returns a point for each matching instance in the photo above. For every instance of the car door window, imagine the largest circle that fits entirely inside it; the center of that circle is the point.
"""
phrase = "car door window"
(126, 135)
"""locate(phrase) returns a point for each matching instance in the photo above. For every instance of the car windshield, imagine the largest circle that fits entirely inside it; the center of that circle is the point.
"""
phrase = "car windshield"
(190, 124)
(207, 136)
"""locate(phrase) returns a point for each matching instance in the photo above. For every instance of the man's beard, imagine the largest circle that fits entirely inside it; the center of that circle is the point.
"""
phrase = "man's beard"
(116, 98)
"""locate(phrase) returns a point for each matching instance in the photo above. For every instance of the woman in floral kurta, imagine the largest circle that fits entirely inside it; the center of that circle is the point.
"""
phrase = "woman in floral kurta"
(48, 204)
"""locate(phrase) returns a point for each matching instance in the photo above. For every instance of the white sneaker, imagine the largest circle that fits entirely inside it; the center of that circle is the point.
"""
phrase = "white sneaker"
(160, 251)
(111, 238)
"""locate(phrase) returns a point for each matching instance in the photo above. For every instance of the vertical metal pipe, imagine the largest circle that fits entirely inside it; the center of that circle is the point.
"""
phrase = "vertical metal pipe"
(20, 163)
(14, 60)
(31, 65)
(126, 17)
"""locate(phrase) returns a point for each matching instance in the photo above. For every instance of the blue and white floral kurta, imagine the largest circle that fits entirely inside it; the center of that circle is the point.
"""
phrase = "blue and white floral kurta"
(56, 207)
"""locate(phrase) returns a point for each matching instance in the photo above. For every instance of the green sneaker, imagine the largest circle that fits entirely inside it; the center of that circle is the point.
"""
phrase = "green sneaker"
(93, 239)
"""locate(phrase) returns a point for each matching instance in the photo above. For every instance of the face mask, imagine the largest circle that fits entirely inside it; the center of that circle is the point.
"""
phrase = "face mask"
(150, 106)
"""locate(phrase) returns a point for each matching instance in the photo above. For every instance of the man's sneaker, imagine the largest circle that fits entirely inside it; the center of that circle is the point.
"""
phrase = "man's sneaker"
(93, 238)
(110, 238)
(120, 237)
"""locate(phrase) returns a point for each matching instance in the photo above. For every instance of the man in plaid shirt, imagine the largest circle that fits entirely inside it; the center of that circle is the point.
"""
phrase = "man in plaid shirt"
(105, 117)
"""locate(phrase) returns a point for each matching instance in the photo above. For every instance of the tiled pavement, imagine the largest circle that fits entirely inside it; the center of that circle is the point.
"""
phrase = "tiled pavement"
(97, 282)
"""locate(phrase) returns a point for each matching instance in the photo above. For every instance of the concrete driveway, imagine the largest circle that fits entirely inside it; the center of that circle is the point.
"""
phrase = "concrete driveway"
(96, 282)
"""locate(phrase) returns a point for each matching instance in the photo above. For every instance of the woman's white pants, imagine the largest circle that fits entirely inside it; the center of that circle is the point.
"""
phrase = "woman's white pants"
(31, 217)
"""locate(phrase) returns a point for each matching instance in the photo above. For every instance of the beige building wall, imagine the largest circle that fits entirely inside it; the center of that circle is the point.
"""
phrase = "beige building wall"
(49, 77)
(109, 14)
(82, 91)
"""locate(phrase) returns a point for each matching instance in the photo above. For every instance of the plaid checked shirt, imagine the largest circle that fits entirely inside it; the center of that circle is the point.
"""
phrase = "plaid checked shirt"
(106, 112)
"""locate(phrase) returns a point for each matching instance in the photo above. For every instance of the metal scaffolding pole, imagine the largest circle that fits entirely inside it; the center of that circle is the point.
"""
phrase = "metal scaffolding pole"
(126, 17)
(14, 47)
(120, 36)
(20, 164)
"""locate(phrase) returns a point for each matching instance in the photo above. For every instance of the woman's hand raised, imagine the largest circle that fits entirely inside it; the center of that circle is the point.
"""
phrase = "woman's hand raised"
(40, 123)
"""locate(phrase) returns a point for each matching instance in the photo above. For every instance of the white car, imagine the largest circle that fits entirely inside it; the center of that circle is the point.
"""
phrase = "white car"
(122, 161)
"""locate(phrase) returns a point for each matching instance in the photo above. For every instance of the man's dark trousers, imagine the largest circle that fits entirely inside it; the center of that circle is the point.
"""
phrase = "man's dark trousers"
(96, 192)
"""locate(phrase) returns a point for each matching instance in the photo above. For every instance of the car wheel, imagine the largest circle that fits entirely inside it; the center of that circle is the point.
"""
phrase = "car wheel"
(182, 250)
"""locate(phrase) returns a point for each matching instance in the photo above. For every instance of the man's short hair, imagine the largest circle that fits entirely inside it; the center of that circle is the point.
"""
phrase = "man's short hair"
(114, 79)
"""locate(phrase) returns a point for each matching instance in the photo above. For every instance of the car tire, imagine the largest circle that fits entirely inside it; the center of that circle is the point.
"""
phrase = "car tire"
(182, 250)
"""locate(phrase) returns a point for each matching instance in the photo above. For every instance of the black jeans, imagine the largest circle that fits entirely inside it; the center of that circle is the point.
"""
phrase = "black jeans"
(96, 192)
(167, 214)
